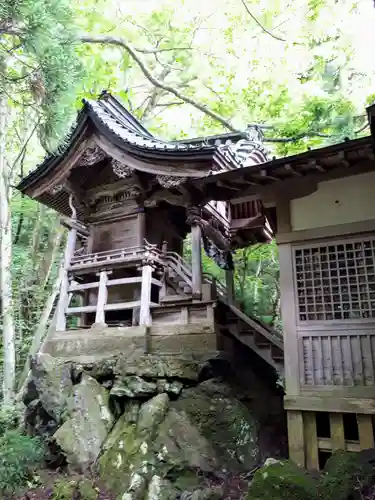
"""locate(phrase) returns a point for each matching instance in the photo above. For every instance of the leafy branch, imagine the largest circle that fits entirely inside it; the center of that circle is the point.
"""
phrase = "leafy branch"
(260, 24)
(120, 42)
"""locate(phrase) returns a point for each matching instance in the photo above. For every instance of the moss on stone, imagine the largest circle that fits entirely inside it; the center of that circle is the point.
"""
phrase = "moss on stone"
(283, 481)
(344, 473)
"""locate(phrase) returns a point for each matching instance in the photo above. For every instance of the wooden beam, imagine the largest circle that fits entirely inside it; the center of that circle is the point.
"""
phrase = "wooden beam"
(196, 261)
(78, 310)
(330, 404)
(288, 167)
(122, 305)
(325, 444)
(150, 168)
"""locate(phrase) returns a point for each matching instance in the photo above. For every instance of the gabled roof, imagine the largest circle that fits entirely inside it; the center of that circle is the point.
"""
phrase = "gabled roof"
(109, 117)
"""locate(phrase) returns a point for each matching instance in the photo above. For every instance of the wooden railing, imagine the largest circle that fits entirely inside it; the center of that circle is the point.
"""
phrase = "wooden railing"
(97, 259)
(162, 259)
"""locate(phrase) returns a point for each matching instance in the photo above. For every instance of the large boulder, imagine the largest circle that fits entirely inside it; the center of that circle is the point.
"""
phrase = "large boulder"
(223, 422)
(283, 480)
(88, 423)
(173, 444)
(51, 383)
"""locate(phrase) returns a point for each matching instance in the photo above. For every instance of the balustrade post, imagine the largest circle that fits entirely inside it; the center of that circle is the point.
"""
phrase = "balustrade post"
(196, 252)
(144, 314)
(102, 300)
(64, 287)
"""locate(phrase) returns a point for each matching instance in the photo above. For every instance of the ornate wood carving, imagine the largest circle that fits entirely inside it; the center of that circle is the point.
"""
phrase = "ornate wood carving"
(93, 154)
(111, 201)
(120, 169)
(168, 181)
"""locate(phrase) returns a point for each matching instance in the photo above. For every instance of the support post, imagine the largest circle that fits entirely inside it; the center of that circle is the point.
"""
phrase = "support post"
(229, 280)
(102, 300)
(144, 314)
(64, 287)
(196, 261)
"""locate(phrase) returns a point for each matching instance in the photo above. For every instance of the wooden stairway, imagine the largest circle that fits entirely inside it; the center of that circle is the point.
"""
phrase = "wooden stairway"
(261, 338)
(266, 342)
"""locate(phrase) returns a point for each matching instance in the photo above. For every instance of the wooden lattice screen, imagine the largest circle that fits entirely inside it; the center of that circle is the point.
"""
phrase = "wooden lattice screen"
(336, 281)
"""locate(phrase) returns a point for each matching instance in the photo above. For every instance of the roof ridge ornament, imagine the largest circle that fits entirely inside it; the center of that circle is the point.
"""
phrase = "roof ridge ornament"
(254, 133)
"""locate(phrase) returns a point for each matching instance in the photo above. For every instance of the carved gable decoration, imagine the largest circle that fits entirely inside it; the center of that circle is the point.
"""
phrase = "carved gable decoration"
(93, 154)
(248, 151)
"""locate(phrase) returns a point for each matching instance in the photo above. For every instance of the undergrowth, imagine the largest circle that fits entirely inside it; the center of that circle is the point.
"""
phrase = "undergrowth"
(20, 455)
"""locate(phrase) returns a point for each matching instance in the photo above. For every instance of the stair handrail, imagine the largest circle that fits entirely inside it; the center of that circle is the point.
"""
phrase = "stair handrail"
(221, 287)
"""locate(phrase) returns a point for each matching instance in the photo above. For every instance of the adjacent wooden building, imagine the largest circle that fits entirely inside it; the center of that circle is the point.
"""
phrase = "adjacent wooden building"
(324, 202)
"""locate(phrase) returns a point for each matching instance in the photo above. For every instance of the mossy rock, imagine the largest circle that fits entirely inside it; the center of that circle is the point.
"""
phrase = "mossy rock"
(283, 480)
(345, 473)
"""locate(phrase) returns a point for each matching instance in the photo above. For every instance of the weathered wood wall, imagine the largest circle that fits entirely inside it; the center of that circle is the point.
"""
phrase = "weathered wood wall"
(327, 279)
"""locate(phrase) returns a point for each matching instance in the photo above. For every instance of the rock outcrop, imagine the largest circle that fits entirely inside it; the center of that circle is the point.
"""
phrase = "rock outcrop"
(154, 427)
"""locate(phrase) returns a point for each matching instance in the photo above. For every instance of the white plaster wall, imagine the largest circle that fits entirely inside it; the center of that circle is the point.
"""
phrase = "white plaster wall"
(339, 201)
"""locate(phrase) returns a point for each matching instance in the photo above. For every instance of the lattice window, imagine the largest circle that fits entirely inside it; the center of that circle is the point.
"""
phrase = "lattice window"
(336, 281)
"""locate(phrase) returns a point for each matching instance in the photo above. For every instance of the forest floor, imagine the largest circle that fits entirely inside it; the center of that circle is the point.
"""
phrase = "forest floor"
(234, 487)
(49, 479)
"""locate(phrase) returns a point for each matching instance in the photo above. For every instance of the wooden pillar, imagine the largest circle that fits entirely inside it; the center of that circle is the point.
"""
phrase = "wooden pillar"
(64, 288)
(144, 315)
(141, 229)
(196, 261)
(229, 280)
(296, 437)
(102, 300)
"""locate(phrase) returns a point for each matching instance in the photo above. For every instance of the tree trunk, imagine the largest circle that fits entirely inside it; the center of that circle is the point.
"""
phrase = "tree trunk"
(5, 264)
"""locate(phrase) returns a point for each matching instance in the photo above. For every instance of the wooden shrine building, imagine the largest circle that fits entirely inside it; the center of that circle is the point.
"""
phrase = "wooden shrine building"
(130, 200)
(324, 202)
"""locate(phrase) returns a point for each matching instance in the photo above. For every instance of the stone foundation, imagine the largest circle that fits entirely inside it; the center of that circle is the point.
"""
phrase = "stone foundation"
(98, 343)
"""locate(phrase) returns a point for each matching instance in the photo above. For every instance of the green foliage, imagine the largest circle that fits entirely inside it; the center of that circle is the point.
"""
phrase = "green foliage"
(41, 63)
(9, 418)
(19, 456)
(66, 489)
(256, 279)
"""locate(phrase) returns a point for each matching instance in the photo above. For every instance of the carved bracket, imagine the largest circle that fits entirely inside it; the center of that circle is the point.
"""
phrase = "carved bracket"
(168, 181)
(120, 169)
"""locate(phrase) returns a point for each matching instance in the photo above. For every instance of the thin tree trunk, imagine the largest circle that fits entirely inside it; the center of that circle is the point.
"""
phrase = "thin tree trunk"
(5, 264)
(41, 328)
(49, 261)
